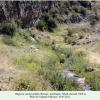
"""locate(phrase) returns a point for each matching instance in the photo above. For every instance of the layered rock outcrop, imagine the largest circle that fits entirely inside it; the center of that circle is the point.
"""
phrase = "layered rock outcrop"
(28, 11)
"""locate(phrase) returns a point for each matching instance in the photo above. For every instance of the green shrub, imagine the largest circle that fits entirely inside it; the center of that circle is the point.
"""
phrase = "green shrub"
(67, 4)
(61, 84)
(68, 39)
(76, 8)
(95, 83)
(26, 36)
(83, 10)
(7, 29)
(9, 41)
(57, 81)
(81, 36)
(93, 22)
(18, 22)
(62, 10)
(54, 12)
(41, 25)
(62, 59)
(70, 32)
(51, 24)
(32, 34)
(47, 22)
(68, 52)
(65, 38)
(66, 11)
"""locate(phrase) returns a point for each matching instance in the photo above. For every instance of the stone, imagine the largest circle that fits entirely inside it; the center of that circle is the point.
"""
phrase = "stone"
(90, 69)
(32, 39)
(74, 43)
(33, 47)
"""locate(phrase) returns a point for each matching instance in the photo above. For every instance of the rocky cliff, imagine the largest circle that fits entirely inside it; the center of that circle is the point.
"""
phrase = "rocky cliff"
(28, 11)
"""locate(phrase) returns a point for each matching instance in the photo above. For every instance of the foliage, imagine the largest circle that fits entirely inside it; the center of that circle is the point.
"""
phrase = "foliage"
(7, 29)
(31, 66)
(93, 22)
(41, 25)
(18, 22)
(67, 4)
(77, 60)
(76, 8)
(83, 10)
(79, 9)
(70, 32)
(95, 83)
(9, 41)
(68, 39)
(81, 36)
(47, 22)
(54, 12)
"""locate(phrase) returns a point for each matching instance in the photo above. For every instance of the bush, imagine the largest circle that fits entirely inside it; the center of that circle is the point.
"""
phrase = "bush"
(62, 59)
(46, 22)
(7, 29)
(68, 52)
(9, 41)
(51, 24)
(66, 11)
(54, 12)
(76, 8)
(68, 39)
(83, 10)
(95, 83)
(18, 22)
(81, 36)
(93, 22)
(67, 4)
(41, 25)
(70, 32)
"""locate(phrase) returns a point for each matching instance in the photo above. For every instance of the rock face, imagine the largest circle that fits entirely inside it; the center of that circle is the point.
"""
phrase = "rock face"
(28, 11)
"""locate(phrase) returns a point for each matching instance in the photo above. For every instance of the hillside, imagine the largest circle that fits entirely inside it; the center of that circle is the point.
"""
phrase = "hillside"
(49, 45)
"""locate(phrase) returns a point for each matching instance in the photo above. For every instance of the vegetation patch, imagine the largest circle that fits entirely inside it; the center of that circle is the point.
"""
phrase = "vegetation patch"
(7, 29)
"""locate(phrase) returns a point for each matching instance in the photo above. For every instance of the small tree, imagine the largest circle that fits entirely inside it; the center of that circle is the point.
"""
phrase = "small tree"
(7, 29)
(51, 24)
(46, 22)
(41, 25)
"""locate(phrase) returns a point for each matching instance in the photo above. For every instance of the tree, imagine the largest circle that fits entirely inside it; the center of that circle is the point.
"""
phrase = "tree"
(7, 29)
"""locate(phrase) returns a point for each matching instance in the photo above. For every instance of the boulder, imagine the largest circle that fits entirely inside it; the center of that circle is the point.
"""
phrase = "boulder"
(32, 39)
(90, 69)
(34, 48)
(93, 16)
(74, 43)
